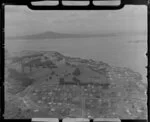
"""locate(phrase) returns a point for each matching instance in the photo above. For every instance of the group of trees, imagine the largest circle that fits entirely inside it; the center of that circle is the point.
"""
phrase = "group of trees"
(18, 81)
(75, 81)
(37, 63)
(34, 62)
(76, 72)
(61, 81)
(12, 111)
(20, 77)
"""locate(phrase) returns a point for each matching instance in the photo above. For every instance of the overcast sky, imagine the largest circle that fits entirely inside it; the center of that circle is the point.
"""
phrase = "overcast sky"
(20, 20)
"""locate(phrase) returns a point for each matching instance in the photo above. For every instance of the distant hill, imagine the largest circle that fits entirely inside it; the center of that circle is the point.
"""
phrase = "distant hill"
(54, 35)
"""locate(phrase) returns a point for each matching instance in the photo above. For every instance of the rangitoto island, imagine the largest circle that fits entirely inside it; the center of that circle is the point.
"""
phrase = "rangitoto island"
(49, 84)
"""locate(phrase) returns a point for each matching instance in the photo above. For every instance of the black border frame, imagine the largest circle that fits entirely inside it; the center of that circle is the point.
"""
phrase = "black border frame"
(60, 7)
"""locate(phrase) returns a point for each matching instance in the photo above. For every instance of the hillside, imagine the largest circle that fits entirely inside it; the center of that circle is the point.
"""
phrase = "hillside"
(54, 85)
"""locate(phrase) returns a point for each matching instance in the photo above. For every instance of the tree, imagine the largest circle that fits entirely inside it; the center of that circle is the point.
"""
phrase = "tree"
(77, 81)
(50, 77)
(76, 72)
(68, 64)
(52, 73)
(105, 85)
(61, 81)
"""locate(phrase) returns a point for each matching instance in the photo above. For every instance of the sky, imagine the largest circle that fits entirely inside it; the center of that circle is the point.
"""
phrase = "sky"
(20, 20)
